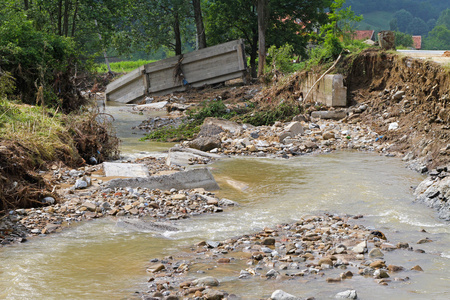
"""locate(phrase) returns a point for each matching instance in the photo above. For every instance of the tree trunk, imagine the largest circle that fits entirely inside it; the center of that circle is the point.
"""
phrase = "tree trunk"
(262, 17)
(177, 32)
(253, 55)
(201, 36)
(66, 18)
(25, 4)
(74, 18)
(59, 30)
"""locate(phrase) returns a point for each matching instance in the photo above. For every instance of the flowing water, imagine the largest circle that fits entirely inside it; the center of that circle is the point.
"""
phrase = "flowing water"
(98, 260)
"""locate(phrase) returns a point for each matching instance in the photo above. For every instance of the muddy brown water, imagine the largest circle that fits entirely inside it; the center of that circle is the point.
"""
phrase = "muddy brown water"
(99, 260)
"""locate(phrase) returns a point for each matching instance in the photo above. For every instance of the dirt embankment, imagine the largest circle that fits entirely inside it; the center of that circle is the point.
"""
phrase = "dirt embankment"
(410, 92)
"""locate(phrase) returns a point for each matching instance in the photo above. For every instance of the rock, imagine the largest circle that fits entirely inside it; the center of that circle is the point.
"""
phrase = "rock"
(49, 200)
(206, 281)
(272, 273)
(424, 241)
(294, 128)
(225, 125)
(203, 143)
(224, 260)
(179, 197)
(282, 295)
(211, 294)
(378, 264)
(284, 135)
(376, 252)
(227, 202)
(392, 268)
(361, 248)
(156, 268)
(213, 244)
(402, 245)
(333, 280)
(325, 261)
(417, 268)
(80, 184)
(252, 148)
(380, 273)
(90, 206)
(268, 241)
(393, 126)
(328, 135)
(349, 294)
(398, 95)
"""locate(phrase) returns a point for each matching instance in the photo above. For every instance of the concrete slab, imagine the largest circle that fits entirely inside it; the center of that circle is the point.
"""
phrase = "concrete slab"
(191, 179)
(125, 170)
(181, 156)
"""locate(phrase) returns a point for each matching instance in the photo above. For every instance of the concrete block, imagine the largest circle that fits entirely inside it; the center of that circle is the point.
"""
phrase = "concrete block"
(191, 179)
(181, 156)
(332, 115)
(125, 170)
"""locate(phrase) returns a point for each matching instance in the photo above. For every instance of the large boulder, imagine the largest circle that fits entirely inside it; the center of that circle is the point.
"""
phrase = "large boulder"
(205, 143)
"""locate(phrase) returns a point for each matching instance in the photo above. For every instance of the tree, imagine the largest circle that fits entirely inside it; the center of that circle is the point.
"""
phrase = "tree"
(201, 35)
(403, 18)
(262, 10)
(151, 25)
(417, 26)
(438, 38)
(444, 18)
(403, 39)
(288, 21)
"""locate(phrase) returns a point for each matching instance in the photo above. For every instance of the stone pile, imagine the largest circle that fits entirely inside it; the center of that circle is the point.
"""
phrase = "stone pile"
(434, 191)
(291, 138)
(314, 247)
(157, 204)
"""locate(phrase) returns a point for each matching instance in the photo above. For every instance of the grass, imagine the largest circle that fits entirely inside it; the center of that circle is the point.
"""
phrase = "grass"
(191, 126)
(41, 130)
(122, 66)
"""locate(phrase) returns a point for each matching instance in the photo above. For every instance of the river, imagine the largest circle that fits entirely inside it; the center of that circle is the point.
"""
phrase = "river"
(98, 260)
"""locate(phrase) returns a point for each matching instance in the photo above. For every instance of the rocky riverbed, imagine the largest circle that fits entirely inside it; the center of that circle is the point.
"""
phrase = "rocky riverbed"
(83, 196)
(326, 248)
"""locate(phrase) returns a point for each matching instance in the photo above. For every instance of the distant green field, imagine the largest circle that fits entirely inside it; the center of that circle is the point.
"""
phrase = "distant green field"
(376, 20)
(123, 66)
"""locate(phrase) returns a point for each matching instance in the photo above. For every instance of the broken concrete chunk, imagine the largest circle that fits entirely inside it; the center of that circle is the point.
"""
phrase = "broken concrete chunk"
(125, 170)
(197, 178)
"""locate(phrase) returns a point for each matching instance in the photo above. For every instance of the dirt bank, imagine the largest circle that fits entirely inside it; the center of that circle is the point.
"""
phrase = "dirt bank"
(410, 92)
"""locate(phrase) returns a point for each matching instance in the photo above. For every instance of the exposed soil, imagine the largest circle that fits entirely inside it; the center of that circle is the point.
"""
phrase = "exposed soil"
(412, 92)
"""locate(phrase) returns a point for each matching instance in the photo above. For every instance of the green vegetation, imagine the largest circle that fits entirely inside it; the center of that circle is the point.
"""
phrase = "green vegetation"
(376, 20)
(122, 66)
(191, 126)
(269, 116)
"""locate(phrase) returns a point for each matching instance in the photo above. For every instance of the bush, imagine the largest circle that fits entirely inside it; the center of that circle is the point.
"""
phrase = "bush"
(280, 59)
(39, 61)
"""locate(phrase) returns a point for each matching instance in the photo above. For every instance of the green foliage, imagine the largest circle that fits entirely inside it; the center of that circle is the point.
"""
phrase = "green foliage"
(38, 61)
(438, 38)
(122, 66)
(403, 39)
(280, 59)
(288, 22)
(444, 18)
(191, 126)
(282, 112)
(153, 24)
(7, 85)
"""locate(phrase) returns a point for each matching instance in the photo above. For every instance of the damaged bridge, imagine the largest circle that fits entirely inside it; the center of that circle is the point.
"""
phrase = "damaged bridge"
(195, 69)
